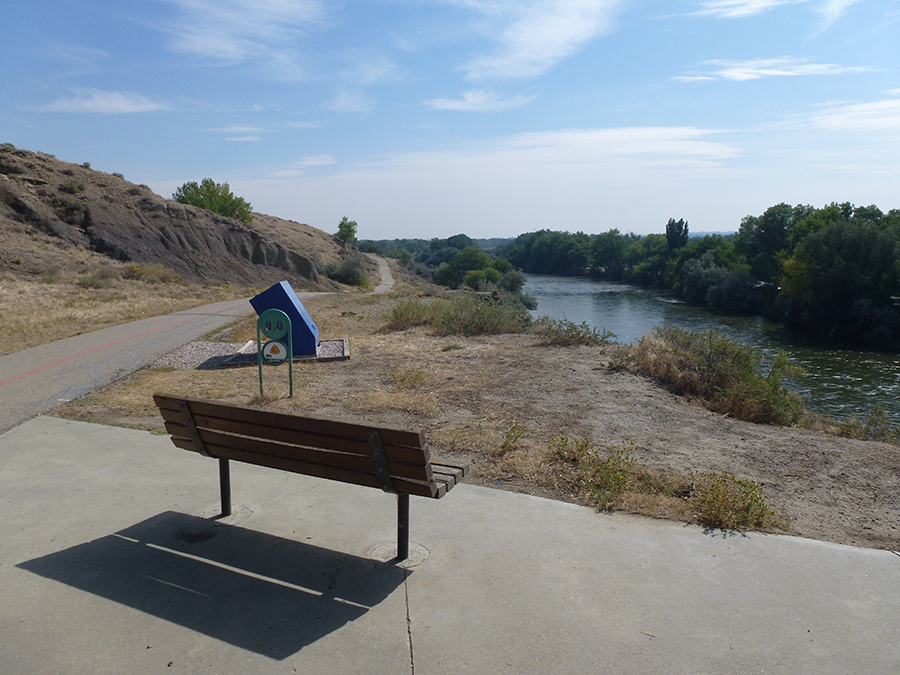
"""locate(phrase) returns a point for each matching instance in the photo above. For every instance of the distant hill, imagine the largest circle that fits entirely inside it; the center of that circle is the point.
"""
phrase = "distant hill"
(54, 214)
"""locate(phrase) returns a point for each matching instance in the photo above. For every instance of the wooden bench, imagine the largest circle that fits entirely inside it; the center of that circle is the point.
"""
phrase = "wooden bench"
(396, 461)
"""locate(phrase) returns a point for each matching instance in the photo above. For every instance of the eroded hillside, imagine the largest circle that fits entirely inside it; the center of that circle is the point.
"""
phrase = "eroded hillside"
(56, 216)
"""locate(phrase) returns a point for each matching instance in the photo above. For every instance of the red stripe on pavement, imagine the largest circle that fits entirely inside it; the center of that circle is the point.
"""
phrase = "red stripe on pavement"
(111, 344)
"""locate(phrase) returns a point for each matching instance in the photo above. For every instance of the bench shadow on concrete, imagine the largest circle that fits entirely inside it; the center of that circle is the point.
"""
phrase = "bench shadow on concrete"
(256, 591)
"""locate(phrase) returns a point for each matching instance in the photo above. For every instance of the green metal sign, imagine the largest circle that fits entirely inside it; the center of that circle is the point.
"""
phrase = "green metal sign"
(275, 325)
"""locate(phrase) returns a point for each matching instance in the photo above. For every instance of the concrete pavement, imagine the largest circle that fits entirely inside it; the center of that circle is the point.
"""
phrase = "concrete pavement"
(111, 562)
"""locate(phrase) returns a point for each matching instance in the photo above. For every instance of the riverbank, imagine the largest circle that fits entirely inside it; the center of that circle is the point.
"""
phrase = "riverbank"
(839, 382)
(467, 393)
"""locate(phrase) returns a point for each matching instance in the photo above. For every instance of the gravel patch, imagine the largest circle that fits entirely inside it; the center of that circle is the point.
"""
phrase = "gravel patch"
(201, 355)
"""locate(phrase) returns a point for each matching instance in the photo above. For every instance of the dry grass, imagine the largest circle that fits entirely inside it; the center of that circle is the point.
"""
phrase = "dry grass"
(36, 313)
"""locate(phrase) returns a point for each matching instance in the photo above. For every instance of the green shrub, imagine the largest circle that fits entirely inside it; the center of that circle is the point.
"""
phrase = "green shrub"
(471, 315)
(605, 477)
(512, 436)
(152, 274)
(481, 279)
(93, 281)
(567, 333)
(215, 197)
(463, 315)
(407, 378)
(352, 271)
(877, 427)
(71, 187)
(726, 375)
(408, 314)
(729, 503)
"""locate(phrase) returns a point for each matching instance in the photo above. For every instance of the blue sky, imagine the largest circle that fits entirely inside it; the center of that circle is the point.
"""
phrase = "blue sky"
(490, 117)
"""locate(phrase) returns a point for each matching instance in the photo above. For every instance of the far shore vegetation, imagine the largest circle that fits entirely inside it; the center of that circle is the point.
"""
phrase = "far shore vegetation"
(833, 272)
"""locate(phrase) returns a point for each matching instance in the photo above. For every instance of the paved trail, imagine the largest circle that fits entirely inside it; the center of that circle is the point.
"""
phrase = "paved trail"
(36, 380)
(387, 279)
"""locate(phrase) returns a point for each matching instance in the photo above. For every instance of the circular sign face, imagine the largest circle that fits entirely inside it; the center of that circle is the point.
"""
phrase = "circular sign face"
(275, 353)
(274, 324)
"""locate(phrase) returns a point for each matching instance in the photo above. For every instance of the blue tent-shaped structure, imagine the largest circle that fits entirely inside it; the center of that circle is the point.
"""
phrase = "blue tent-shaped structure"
(304, 331)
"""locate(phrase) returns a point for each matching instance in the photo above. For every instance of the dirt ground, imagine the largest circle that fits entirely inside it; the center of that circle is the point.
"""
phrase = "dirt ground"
(468, 393)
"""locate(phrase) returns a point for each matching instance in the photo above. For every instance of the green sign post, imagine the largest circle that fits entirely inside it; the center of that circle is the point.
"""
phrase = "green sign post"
(275, 325)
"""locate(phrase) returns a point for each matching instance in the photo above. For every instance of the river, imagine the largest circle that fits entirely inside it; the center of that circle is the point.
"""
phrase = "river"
(839, 383)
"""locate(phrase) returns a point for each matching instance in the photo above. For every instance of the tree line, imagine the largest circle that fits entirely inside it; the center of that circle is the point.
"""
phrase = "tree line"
(833, 271)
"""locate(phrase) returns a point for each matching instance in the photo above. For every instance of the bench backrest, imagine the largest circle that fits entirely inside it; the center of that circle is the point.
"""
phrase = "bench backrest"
(374, 456)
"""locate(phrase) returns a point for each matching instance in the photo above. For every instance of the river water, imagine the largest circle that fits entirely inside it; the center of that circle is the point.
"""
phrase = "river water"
(839, 383)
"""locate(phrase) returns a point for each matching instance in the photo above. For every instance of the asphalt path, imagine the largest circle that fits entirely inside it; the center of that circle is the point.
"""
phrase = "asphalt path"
(36, 380)
(387, 279)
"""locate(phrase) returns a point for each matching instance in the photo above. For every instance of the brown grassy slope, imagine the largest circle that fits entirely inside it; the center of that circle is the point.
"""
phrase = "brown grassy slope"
(86, 210)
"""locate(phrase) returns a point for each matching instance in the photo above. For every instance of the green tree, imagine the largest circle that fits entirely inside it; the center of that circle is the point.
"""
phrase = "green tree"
(676, 233)
(346, 231)
(844, 279)
(608, 254)
(765, 240)
(460, 241)
(215, 197)
(453, 274)
(647, 258)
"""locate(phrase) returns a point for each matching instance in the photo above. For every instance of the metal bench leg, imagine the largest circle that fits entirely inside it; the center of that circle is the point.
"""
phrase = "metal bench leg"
(402, 527)
(225, 486)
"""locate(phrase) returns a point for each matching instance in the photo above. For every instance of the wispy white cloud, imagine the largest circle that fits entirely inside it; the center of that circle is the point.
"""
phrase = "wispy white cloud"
(626, 149)
(832, 10)
(645, 148)
(535, 35)
(104, 102)
(302, 125)
(739, 9)
(238, 129)
(240, 134)
(351, 102)
(880, 116)
(755, 69)
(303, 166)
(372, 69)
(238, 31)
(73, 55)
(479, 101)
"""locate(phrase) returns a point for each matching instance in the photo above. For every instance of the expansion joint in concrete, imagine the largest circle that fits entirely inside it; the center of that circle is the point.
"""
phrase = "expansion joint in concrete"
(409, 638)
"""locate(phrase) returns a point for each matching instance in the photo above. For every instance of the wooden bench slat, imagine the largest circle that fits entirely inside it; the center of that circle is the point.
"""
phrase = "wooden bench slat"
(452, 474)
(338, 460)
(309, 469)
(447, 479)
(313, 425)
(394, 453)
